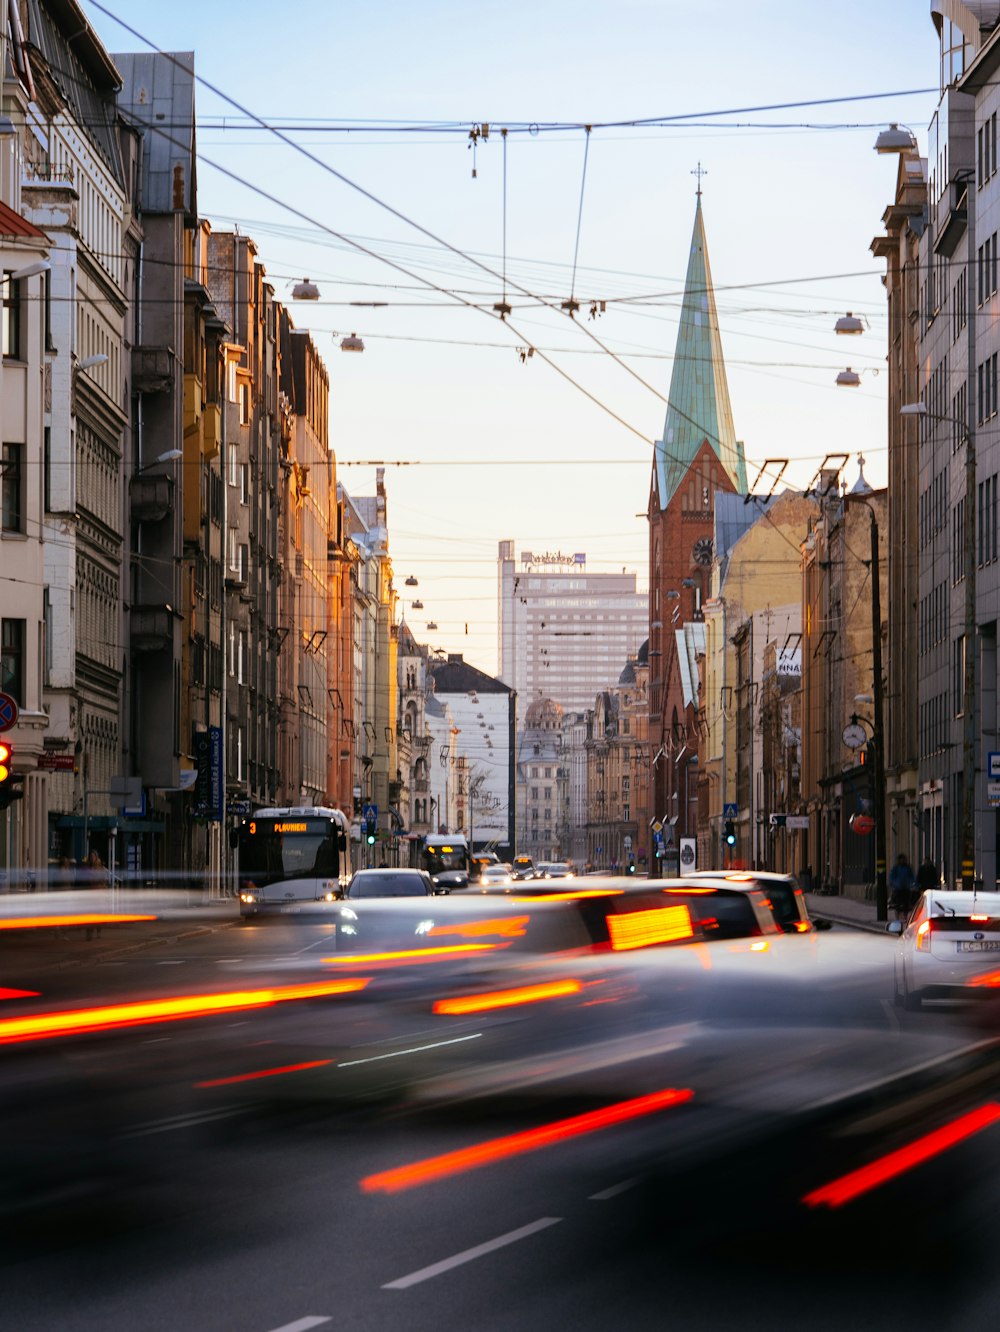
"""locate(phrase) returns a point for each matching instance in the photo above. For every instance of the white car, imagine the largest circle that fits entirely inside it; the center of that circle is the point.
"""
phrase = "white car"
(947, 947)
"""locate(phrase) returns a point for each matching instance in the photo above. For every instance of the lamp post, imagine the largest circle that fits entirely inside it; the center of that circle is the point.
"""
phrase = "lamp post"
(969, 672)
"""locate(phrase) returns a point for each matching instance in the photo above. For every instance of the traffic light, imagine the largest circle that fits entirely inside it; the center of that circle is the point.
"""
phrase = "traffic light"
(631, 864)
(10, 781)
(370, 833)
(729, 836)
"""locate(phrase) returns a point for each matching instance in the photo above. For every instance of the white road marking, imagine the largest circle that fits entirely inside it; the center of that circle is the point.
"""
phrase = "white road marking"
(184, 1121)
(304, 1324)
(469, 1255)
(416, 1049)
(614, 1191)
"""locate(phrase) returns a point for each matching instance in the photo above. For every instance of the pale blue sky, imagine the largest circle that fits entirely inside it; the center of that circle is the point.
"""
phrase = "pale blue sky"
(792, 206)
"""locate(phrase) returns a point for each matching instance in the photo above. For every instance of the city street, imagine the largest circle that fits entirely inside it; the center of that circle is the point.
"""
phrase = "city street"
(251, 1213)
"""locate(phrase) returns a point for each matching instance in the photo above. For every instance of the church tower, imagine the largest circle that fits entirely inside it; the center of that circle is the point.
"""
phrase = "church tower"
(698, 455)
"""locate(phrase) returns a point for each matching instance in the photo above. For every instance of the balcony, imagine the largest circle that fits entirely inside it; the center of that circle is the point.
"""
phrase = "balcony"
(152, 369)
(151, 628)
(152, 497)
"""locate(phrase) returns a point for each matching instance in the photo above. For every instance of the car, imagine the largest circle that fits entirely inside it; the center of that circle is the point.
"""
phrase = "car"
(947, 943)
(724, 910)
(494, 876)
(786, 897)
(392, 883)
(558, 869)
(523, 867)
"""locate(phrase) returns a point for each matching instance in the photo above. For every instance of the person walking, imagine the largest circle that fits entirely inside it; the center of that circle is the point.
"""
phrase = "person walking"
(902, 887)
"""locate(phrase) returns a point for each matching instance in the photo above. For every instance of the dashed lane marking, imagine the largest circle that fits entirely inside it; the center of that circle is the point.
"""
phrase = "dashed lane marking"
(304, 1324)
(469, 1255)
(614, 1191)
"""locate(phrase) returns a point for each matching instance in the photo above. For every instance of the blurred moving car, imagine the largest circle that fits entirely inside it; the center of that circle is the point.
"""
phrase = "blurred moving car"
(787, 899)
(523, 867)
(392, 883)
(946, 936)
(724, 910)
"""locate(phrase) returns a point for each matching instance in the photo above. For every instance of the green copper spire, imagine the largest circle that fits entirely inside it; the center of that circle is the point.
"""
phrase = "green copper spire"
(699, 407)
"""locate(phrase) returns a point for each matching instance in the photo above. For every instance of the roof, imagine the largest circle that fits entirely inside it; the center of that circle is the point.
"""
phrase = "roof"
(698, 409)
(690, 645)
(81, 70)
(158, 97)
(13, 224)
(735, 515)
(456, 676)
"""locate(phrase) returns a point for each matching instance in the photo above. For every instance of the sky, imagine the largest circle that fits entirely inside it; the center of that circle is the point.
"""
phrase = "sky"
(554, 451)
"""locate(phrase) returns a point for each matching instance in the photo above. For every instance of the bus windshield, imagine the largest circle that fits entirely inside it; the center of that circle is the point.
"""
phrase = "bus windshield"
(442, 858)
(275, 850)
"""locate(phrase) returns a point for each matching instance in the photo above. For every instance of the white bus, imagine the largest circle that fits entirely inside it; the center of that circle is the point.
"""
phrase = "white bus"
(447, 860)
(293, 854)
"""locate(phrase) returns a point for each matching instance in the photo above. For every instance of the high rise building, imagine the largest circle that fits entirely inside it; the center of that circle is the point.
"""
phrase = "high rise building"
(564, 632)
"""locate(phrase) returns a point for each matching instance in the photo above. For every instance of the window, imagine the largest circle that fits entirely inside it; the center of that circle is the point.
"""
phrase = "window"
(548, 793)
(548, 772)
(12, 487)
(244, 483)
(47, 639)
(11, 318)
(12, 660)
(244, 404)
(626, 813)
(958, 676)
(958, 542)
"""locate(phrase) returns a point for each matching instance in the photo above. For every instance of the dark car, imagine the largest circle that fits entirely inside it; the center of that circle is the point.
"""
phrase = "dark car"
(787, 900)
(523, 867)
(392, 883)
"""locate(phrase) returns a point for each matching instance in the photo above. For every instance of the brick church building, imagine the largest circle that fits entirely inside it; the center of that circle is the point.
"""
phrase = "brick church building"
(698, 455)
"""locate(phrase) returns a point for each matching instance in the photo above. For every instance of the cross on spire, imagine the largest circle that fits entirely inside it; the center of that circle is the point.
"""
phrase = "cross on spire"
(699, 171)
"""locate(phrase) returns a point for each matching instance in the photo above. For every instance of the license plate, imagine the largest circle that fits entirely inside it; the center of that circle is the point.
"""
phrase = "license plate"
(979, 946)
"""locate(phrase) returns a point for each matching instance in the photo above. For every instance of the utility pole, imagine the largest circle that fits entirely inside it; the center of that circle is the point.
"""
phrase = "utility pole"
(878, 730)
(969, 691)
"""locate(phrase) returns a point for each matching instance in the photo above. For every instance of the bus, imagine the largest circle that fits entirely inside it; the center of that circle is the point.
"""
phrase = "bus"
(447, 860)
(292, 854)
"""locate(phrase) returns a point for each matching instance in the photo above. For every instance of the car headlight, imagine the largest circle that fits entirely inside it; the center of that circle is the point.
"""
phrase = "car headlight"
(248, 898)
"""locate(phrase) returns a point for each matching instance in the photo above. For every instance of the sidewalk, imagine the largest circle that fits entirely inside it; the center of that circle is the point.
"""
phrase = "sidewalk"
(845, 911)
(164, 904)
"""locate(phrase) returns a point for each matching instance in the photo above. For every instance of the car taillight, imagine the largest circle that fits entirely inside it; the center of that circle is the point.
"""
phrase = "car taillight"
(924, 936)
(979, 917)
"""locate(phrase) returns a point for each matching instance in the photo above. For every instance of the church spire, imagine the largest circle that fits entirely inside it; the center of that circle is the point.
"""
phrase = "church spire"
(698, 409)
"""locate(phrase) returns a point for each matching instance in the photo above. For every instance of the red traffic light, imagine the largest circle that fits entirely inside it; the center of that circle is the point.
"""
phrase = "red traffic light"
(6, 753)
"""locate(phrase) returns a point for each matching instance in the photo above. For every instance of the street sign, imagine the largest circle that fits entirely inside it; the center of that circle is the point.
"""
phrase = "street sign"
(657, 826)
(689, 855)
(8, 712)
(238, 807)
(993, 794)
(993, 770)
(370, 814)
(627, 842)
(797, 821)
(863, 824)
(731, 811)
(55, 762)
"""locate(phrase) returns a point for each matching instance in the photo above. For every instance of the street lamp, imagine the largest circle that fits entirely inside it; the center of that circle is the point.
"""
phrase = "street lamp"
(969, 680)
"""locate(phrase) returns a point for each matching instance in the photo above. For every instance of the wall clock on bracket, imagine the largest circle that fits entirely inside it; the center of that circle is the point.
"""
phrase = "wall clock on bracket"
(702, 553)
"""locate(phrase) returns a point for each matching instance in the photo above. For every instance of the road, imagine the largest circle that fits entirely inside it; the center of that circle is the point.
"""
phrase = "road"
(251, 1213)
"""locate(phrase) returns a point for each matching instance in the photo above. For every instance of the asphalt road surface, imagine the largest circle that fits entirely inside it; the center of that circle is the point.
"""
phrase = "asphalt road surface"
(165, 1203)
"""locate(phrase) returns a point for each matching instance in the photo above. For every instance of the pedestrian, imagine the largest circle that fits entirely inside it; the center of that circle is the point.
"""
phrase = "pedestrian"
(902, 887)
(927, 875)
